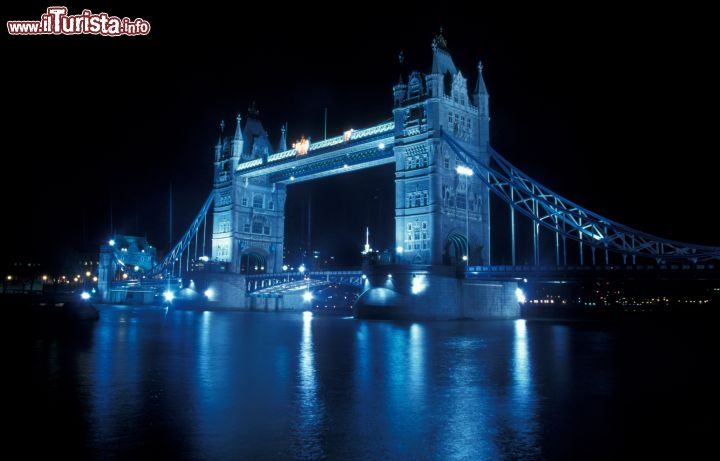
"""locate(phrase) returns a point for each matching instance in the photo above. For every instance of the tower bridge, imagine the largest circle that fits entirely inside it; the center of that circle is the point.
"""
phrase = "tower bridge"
(446, 173)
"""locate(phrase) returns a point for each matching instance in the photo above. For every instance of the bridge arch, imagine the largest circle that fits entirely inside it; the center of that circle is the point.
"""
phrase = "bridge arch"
(253, 261)
(454, 250)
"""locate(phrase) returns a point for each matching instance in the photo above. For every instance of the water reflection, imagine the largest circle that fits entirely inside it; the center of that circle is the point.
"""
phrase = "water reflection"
(310, 409)
(146, 384)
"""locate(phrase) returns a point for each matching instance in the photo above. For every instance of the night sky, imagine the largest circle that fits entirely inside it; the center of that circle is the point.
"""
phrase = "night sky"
(613, 110)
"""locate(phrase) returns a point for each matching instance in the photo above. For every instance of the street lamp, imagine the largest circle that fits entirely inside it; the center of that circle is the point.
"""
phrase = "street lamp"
(466, 172)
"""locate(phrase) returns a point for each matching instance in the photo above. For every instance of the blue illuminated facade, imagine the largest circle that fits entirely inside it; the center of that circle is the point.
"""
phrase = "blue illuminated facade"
(440, 216)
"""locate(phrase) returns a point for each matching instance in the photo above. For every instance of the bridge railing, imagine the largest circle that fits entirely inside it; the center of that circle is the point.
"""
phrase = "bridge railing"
(256, 282)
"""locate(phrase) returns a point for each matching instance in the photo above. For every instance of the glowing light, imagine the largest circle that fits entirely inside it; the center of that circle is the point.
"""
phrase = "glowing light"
(111, 242)
(85, 295)
(418, 284)
(463, 170)
(399, 249)
(307, 315)
(307, 296)
(520, 295)
(347, 134)
(381, 146)
(209, 293)
(302, 146)
(204, 258)
(169, 296)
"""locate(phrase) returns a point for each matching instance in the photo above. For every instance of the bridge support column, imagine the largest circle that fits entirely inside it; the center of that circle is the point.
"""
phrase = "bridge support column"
(411, 292)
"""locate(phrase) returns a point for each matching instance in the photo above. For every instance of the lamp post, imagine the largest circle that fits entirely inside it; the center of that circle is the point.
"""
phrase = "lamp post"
(466, 172)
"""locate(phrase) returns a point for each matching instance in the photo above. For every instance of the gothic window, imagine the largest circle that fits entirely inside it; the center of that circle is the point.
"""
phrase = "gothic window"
(258, 201)
(246, 227)
(244, 201)
(415, 238)
(460, 200)
(225, 226)
(271, 205)
(257, 226)
(414, 86)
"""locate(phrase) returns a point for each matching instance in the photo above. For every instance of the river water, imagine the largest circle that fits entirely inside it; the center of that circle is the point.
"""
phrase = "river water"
(150, 383)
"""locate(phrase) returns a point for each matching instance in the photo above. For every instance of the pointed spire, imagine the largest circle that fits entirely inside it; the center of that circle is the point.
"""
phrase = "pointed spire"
(220, 136)
(238, 131)
(439, 42)
(442, 62)
(480, 86)
(282, 146)
(253, 111)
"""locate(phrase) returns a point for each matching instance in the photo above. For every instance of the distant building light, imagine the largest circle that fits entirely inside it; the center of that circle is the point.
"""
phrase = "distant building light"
(347, 134)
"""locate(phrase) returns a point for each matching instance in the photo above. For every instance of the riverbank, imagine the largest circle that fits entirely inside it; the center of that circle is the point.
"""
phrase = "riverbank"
(41, 308)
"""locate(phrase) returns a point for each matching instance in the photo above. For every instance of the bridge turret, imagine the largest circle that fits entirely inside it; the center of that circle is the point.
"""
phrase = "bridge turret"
(440, 218)
(282, 145)
(218, 146)
(481, 99)
(237, 143)
(223, 162)
(256, 141)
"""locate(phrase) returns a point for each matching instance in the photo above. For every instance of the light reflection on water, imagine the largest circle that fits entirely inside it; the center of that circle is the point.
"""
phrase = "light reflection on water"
(272, 386)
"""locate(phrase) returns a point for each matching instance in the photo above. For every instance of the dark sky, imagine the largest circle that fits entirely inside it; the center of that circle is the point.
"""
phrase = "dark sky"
(613, 110)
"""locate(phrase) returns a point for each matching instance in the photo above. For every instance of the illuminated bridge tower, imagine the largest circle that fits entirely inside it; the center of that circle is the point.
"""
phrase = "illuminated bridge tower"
(436, 207)
(248, 215)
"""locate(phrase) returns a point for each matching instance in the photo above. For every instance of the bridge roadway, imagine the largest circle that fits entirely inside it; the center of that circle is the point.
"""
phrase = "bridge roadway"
(278, 284)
